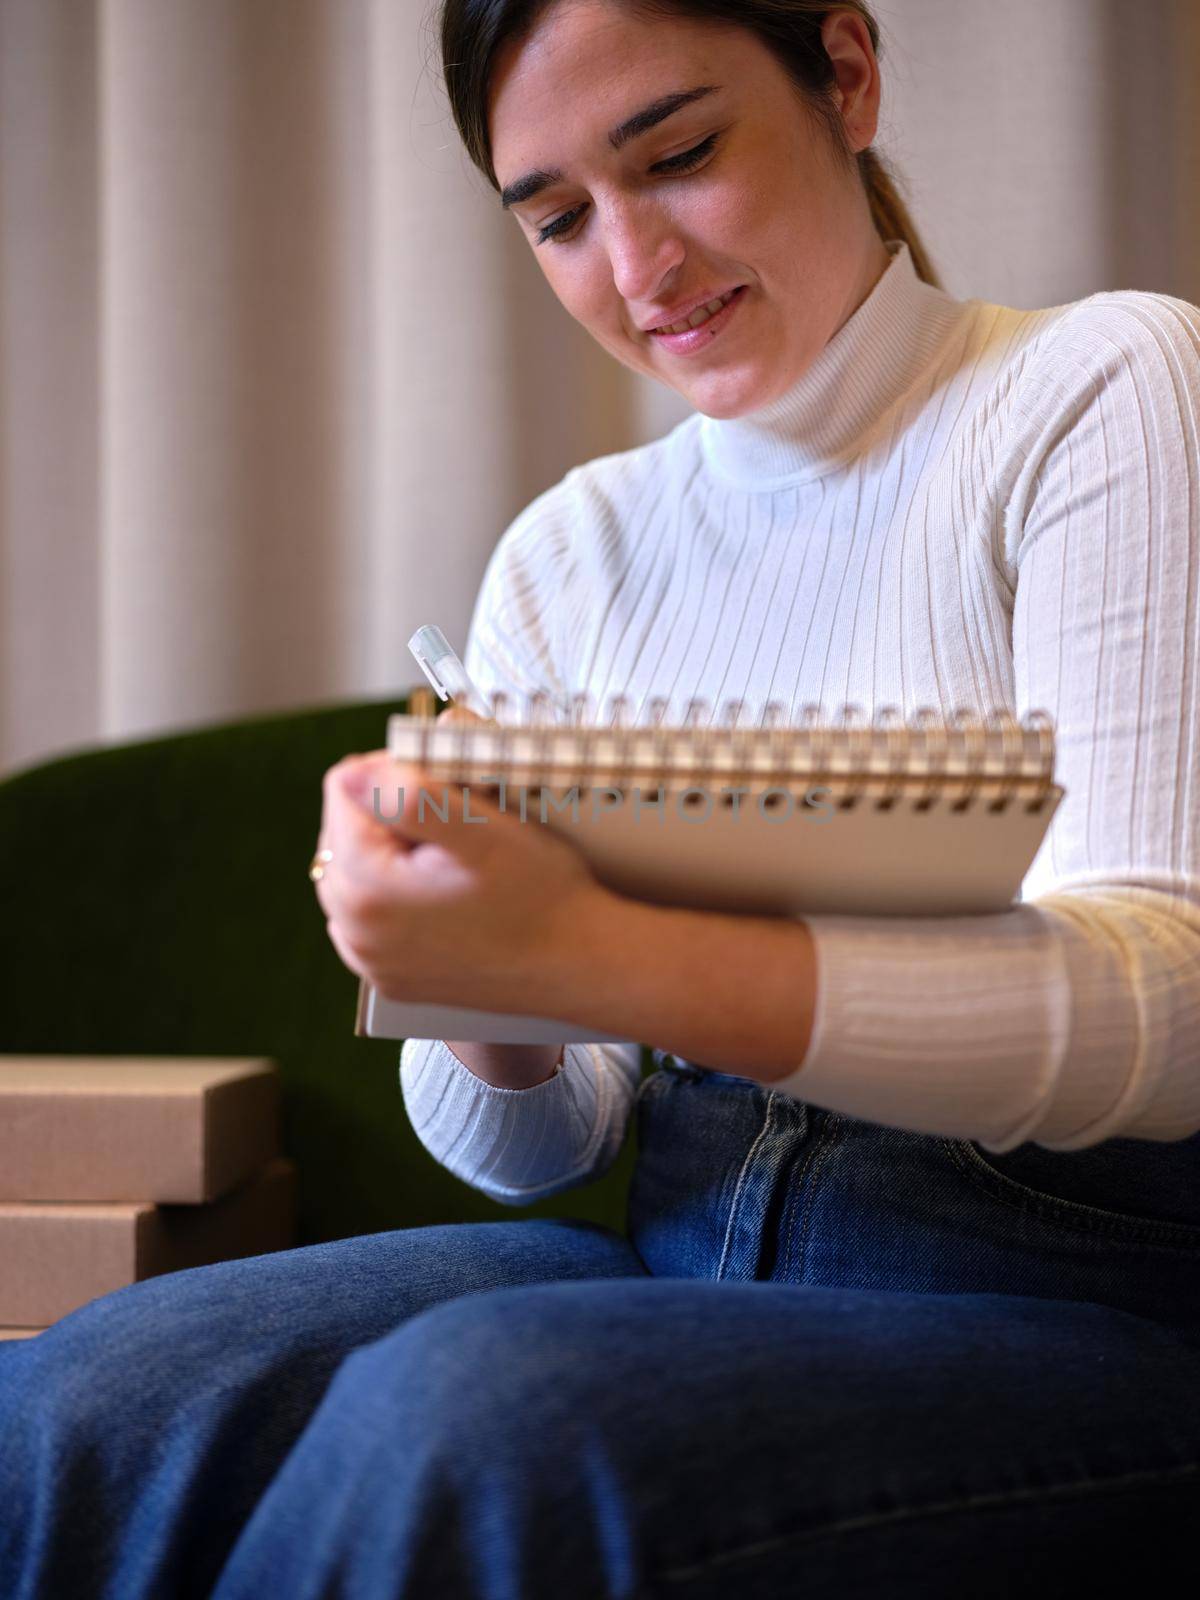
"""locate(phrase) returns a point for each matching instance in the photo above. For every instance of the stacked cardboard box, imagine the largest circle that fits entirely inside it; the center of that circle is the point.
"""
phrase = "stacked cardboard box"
(116, 1168)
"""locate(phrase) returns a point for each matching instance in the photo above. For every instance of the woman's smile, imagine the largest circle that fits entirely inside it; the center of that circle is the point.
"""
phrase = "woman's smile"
(697, 338)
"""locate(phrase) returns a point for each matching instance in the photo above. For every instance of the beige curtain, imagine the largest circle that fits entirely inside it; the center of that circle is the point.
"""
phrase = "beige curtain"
(275, 371)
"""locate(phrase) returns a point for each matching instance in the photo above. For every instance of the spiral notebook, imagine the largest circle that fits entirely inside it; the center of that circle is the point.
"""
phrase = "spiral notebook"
(878, 817)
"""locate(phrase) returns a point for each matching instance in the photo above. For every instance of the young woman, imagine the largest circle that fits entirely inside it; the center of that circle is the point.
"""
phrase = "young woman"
(910, 1301)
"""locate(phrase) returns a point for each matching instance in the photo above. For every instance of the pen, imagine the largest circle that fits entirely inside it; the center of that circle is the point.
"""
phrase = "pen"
(445, 671)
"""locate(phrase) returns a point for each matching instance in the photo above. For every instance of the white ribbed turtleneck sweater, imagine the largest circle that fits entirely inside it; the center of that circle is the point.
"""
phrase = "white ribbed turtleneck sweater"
(958, 504)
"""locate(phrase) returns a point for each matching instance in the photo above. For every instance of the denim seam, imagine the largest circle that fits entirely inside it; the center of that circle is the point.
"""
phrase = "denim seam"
(997, 1498)
(762, 1133)
(825, 1143)
(1088, 1220)
(795, 1181)
(643, 1088)
(812, 1159)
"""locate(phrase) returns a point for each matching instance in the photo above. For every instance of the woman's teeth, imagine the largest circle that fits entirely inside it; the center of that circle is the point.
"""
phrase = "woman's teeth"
(701, 314)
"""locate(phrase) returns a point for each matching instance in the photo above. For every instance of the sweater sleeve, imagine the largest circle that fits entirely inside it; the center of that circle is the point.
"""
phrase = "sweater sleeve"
(1074, 1017)
(519, 1145)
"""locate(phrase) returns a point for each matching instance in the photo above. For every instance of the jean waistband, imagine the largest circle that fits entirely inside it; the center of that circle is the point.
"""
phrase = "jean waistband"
(681, 1067)
(1119, 1184)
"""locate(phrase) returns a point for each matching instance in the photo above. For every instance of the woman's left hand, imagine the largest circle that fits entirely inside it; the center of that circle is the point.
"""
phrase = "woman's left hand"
(461, 912)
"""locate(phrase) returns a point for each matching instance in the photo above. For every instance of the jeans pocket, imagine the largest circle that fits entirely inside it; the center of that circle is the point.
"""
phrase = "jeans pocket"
(1025, 1179)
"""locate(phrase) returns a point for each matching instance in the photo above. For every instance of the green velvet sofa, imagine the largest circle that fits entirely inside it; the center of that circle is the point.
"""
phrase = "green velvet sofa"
(156, 902)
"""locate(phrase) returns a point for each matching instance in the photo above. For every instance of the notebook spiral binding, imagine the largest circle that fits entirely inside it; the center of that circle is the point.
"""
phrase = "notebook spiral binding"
(965, 760)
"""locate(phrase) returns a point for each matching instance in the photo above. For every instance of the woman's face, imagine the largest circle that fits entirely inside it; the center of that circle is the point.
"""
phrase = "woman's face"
(735, 189)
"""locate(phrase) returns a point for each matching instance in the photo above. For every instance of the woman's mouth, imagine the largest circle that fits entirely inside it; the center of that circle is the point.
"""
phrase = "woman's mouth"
(691, 335)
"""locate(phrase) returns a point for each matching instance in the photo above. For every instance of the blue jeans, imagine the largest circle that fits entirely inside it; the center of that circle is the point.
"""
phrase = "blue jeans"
(831, 1358)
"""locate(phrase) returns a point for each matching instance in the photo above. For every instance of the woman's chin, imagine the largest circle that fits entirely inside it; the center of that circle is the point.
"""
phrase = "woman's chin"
(721, 394)
(725, 395)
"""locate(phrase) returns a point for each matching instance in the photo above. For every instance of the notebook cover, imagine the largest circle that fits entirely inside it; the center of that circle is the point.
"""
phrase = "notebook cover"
(863, 861)
(402, 1019)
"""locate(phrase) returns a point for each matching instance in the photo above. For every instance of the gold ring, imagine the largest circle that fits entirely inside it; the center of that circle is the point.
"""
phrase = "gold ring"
(316, 870)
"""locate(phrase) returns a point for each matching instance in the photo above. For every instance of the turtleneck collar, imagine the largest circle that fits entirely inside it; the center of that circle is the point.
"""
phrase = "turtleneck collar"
(872, 359)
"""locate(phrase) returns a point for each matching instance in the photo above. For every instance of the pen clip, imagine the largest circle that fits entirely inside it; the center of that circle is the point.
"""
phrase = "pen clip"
(429, 669)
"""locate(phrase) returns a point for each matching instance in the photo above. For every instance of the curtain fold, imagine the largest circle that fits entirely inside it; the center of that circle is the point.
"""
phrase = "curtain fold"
(276, 372)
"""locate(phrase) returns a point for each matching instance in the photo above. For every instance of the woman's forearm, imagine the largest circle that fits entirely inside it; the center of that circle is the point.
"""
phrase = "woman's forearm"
(732, 992)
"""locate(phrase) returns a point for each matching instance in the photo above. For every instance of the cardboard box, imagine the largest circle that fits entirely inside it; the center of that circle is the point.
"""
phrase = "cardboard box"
(177, 1129)
(19, 1333)
(55, 1257)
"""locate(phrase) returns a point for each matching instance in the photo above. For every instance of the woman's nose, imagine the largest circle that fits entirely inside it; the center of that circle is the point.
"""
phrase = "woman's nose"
(644, 250)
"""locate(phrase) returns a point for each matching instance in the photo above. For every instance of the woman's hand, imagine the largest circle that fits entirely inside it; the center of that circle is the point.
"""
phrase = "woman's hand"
(462, 912)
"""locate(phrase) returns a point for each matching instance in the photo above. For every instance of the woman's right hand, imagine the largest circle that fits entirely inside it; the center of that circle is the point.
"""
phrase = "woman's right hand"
(504, 1066)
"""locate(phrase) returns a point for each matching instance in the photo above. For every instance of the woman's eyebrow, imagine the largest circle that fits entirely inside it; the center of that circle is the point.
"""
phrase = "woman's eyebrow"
(524, 188)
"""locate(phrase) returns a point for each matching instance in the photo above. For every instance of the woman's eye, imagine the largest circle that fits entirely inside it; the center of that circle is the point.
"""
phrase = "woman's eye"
(688, 159)
(559, 225)
(683, 162)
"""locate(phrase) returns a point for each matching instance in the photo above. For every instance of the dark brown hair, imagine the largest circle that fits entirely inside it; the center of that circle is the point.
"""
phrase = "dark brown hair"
(473, 31)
